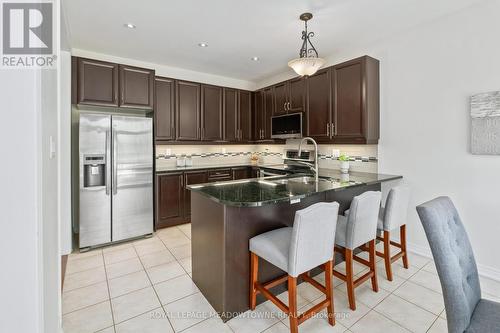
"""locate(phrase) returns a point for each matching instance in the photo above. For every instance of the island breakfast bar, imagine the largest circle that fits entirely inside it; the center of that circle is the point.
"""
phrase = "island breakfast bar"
(225, 215)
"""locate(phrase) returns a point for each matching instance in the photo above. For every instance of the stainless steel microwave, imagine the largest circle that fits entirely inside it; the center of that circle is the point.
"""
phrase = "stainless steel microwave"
(286, 126)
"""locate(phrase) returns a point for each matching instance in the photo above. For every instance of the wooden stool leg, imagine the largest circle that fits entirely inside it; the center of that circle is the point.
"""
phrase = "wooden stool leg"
(254, 270)
(387, 254)
(329, 291)
(292, 304)
(402, 235)
(349, 278)
(373, 265)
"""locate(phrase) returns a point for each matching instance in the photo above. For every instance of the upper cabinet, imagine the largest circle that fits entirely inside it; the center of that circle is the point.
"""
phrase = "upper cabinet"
(136, 87)
(319, 106)
(97, 82)
(289, 96)
(164, 109)
(103, 83)
(245, 116)
(211, 113)
(231, 128)
(187, 111)
(355, 88)
(259, 116)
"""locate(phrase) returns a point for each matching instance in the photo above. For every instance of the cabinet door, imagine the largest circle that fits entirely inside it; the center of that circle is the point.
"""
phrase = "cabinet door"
(259, 115)
(241, 173)
(187, 111)
(97, 83)
(231, 131)
(280, 98)
(191, 178)
(136, 87)
(164, 109)
(347, 82)
(245, 115)
(268, 112)
(169, 200)
(297, 97)
(319, 105)
(211, 113)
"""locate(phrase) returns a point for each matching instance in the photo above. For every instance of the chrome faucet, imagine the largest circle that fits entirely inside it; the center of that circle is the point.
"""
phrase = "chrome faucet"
(315, 168)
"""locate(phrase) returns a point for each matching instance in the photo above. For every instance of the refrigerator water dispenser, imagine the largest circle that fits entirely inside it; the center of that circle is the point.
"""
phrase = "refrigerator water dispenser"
(94, 170)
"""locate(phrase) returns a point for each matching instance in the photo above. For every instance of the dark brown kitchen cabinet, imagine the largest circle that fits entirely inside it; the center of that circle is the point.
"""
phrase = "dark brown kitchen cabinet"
(268, 112)
(136, 87)
(187, 111)
(169, 200)
(355, 88)
(245, 115)
(211, 113)
(97, 82)
(231, 126)
(280, 98)
(164, 109)
(259, 116)
(289, 96)
(319, 111)
(192, 178)
(241, 173)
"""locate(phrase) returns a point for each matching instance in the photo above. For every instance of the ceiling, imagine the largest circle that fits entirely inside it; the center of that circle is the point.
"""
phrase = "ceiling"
(168, 32)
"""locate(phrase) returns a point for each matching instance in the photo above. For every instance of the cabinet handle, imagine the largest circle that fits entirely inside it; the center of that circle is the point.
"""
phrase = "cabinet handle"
(327, 129)
(284, 106)
(334, 130)
(288, 106)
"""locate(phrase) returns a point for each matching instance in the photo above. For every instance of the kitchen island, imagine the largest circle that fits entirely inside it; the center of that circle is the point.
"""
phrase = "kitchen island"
(225, 215)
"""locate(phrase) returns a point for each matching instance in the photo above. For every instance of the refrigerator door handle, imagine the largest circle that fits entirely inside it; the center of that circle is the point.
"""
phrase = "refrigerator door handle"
(108, 162)
(115, 171)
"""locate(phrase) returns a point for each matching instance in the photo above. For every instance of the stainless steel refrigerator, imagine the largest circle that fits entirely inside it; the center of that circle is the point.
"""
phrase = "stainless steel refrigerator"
(116, 178)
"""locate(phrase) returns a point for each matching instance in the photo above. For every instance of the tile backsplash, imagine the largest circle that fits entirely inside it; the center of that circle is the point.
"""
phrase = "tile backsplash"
(363, 157)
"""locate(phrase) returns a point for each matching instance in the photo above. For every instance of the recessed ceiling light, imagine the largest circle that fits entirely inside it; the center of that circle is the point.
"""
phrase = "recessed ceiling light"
(255, 58)
(129, 25)
(203, 44)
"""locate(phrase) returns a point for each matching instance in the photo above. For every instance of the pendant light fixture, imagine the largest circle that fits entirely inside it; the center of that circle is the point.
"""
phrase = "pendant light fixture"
(308, 62)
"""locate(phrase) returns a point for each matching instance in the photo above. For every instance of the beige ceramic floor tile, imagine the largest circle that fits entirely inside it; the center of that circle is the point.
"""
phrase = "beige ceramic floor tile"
(278, 328)
(181, 252)
(165, 272)
(127, 283)
(84, 278)
(374, 322)
(89, 319)
(169, 232)
(110, 329)
(427, 280)
(150, 245)
(366, 295)
(85, 296)
(255, 321)
(397, 269)
(344, 314)
(186, 263)
(134, 304)
(406, 314)
(157, 258)
(175, 240)
(175, 289)
(439, 326)
(123, 268)
(389, 285)
(188, 311)
(208, 326)
(83, 264)
(319, 324)
(154, 321)
(82, 255)
(119, 255)
(421, 296)
(116, 247)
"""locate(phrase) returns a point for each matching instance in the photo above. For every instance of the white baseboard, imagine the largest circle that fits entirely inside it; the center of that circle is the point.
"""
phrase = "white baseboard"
(484, 271)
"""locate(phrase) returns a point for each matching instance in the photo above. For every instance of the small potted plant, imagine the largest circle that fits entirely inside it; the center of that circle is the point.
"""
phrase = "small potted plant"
(344, 163)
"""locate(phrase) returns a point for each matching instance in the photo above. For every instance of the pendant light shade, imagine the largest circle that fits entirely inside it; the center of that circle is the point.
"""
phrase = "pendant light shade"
(308, 62)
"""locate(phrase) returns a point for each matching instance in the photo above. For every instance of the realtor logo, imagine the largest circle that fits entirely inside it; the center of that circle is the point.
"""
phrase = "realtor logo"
(27, 30)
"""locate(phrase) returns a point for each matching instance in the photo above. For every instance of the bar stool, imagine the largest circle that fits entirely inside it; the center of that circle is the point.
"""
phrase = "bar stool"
(296, 251)
(355, 230)
(391, 217)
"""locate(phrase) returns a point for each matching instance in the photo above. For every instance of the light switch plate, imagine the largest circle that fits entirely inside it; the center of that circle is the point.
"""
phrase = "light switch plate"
(335, 152)
(169, 151)
(52, 147)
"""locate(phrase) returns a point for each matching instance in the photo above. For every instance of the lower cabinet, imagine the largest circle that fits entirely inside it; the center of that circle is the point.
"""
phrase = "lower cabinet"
(169, 199)
(173, 199)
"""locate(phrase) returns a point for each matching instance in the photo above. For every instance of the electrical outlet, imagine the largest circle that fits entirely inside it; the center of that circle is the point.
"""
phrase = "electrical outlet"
(168, 151)
(335, 152)
(223, 150)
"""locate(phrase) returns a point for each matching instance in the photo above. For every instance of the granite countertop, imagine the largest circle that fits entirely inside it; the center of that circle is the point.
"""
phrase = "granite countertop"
(215, 166)
(270, 190)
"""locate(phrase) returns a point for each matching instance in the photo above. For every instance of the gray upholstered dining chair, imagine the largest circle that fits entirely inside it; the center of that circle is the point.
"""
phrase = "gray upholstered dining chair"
(354, 231)
(296, 251)
(466, 311)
